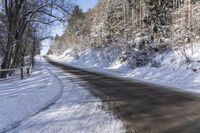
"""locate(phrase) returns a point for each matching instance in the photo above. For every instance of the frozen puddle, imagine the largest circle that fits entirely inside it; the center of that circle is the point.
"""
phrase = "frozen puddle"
(76, 112)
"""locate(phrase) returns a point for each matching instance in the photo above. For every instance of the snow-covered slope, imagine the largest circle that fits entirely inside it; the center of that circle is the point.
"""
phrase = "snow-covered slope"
(23, 98)
(173, 70)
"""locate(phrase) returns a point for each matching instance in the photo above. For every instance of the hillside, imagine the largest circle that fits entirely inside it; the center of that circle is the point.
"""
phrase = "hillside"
(136, 33)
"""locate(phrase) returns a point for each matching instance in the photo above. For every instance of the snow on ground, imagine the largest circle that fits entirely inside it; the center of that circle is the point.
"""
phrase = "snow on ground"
(173, 72)
(23, 98)
(77, 111)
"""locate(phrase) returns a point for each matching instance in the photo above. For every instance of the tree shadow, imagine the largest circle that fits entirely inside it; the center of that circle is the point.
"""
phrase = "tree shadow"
(142, 107)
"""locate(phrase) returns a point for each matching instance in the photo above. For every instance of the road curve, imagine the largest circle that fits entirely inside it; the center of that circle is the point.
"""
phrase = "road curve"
(142, 108)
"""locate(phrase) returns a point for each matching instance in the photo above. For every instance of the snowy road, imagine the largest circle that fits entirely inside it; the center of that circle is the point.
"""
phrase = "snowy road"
(93, 103)
(77, 111)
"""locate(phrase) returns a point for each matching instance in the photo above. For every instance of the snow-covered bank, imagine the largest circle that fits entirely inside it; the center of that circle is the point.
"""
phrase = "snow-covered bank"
(23, 98)
(172, 71)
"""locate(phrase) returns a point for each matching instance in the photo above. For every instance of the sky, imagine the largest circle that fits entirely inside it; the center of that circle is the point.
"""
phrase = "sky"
(86, 4)
(58, 28)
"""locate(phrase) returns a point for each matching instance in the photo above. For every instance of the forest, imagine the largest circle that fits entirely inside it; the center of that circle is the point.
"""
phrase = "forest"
(139, 28)
(23, 25)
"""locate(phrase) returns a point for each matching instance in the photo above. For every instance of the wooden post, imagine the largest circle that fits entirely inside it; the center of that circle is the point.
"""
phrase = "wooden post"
(28, 71)
(22, 74)
(10, 73)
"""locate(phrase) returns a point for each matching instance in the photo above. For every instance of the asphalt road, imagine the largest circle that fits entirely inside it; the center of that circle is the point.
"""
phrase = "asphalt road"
(142, 108)
(98, 103)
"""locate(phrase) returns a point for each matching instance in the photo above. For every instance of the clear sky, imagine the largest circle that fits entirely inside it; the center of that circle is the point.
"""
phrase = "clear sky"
(58, 28)
(86, 4)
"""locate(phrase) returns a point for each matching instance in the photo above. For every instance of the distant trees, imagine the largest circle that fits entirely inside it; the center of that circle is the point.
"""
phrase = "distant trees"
(75, 25)
(20, 26)
(185, 30)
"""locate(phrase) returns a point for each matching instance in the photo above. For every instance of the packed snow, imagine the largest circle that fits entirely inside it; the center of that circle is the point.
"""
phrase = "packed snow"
(77, 111)
(173, 70)
(23, 98)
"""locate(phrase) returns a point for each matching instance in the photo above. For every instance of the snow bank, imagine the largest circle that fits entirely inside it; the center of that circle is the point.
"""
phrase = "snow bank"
(23, 98)
(92, 58)
(173, 72)
(180, 80)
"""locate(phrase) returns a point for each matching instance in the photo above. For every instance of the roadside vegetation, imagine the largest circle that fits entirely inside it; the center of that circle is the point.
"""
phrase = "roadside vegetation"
(140, 30)
(23, 27)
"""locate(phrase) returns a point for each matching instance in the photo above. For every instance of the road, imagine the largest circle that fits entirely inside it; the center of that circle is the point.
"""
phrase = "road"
(123, 106)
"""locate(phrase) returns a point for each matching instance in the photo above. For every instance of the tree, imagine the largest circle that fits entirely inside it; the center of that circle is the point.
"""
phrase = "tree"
(75, 24)
(141, 27)
(22, 15)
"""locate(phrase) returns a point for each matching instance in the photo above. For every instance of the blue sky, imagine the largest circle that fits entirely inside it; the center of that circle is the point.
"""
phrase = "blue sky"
(85, 5)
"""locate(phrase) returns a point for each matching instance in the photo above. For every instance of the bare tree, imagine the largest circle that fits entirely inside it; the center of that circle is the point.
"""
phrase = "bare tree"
(22, 15)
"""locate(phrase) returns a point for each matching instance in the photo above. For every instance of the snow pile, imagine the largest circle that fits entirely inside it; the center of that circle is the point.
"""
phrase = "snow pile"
(177, 69)
(23, 98)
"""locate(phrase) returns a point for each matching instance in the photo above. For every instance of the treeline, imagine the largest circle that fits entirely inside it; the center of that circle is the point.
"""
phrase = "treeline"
(123, 21)
(22, 28)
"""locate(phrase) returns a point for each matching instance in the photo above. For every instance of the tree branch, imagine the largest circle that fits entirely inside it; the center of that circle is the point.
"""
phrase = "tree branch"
(32, 12)
(60, 7)
(42, 22)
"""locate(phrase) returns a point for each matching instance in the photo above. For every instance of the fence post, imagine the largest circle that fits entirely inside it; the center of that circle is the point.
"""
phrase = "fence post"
(28, 71)
(10, 74)
(22, 74)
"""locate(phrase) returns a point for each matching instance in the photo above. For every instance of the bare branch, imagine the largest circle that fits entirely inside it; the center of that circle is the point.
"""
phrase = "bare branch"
(32, 12)
(42, 22)
(51, 15)
(60, 7)
(47, 37)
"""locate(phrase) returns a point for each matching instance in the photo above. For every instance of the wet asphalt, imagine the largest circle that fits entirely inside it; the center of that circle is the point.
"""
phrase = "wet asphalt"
(142, 107)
